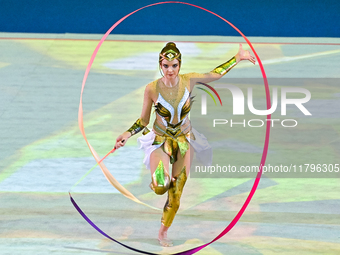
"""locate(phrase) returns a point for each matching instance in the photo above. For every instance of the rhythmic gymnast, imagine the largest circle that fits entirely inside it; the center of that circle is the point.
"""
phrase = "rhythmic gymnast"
(172, 139)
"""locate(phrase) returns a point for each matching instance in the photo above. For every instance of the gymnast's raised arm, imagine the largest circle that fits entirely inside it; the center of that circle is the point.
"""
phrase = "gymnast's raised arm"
(224, 68)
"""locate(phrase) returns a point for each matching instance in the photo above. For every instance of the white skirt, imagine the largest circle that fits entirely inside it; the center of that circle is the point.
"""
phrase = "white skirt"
(201, 147)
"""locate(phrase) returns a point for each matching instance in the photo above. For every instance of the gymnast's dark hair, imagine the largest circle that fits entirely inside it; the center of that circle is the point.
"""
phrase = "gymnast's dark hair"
(170, 52)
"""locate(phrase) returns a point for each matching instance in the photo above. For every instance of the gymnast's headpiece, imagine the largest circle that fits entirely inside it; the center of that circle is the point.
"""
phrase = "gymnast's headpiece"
(170, 52)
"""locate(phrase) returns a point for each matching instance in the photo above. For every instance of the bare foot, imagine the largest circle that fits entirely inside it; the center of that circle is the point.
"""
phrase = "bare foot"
(162, 237)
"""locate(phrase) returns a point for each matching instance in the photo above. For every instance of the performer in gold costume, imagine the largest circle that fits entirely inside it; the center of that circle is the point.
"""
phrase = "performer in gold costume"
(172, 139)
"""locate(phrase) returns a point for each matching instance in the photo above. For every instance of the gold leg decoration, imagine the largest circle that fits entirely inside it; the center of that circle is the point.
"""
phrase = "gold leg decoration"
(183, 145)
(170, 147)
(174, 196)
(161, 178)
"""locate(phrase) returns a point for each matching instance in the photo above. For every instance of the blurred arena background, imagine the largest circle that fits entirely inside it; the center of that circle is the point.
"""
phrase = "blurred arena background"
(45, 48)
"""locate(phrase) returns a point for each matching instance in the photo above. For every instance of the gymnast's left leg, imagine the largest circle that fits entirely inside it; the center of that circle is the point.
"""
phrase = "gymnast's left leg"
(180, 172)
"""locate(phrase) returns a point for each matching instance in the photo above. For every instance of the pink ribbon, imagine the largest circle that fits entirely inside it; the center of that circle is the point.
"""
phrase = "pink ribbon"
(124, 191)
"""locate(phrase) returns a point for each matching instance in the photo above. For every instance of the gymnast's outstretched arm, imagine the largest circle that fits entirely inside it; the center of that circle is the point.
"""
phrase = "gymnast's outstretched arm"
(224, 68)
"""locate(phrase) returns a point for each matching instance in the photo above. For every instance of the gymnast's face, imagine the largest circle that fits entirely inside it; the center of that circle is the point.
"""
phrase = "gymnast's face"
(170, 68)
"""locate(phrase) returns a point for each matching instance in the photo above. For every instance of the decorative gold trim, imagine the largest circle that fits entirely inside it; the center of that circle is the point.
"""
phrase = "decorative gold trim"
(136, 127)
(170, 55)
(162, 178)
(171, 145)
(225, 67)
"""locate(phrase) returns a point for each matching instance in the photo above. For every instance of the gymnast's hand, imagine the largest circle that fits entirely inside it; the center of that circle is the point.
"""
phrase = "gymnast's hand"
(122, 139)
(244, 55)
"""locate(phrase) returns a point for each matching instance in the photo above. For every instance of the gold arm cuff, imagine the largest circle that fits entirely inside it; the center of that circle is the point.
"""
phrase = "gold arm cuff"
(136, 127)
(225, 67)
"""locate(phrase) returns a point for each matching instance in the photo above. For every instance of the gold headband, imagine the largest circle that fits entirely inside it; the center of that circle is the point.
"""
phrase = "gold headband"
(169, 55)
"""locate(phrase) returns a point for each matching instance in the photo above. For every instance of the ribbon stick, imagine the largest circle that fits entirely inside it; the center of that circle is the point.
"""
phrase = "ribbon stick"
(101, 164)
